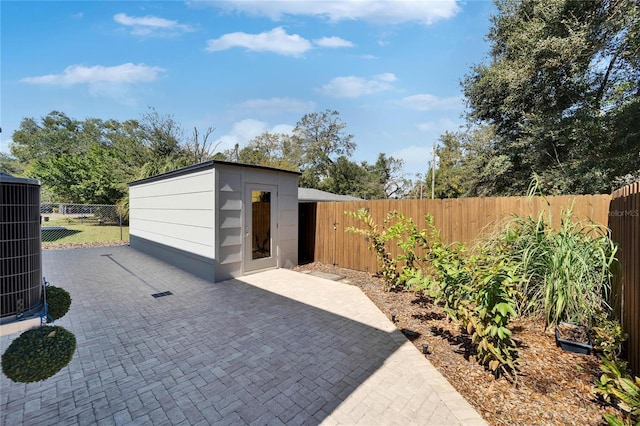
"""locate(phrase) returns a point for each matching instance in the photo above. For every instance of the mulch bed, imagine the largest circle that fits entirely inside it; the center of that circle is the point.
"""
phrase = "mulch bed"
(553, 387)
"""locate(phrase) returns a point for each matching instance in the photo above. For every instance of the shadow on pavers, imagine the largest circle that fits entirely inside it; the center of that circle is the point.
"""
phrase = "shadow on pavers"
(208, 352)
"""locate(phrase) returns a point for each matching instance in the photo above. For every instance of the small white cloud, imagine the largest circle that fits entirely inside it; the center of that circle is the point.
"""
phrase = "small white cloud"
(151, 25)
(354, 87)
(111, 82)
(414, 156)
(80, 74)
(426, 102)
(389, 77)
(78, 15)
(276, 105)
(438, 126)
(245, 130)
(277, 41)
(380, 12)
(369, 57)
(286, 129)
(333, 42)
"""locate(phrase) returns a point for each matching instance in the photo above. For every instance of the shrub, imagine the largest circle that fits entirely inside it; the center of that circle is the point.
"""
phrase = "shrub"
(567, 271)
(38, 354)
(617, 387)
(58, 302)
(377, 242)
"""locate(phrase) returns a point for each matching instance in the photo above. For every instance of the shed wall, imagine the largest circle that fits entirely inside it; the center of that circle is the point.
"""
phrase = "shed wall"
(173, 219)
(229, 222)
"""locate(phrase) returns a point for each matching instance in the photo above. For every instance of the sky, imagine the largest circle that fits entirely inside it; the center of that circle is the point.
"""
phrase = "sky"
(392, 69)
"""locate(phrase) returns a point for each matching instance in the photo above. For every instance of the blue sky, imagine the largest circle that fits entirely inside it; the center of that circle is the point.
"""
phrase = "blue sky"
(390, 68)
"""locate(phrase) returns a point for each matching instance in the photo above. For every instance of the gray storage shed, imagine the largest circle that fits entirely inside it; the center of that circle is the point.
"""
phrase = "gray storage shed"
(217, 219)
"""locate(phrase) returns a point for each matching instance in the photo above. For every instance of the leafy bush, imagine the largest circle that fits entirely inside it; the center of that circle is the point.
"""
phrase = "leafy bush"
(377, 242)
(567, 271)
(38, 354)
(58, 302)
(619, 388)
(494, 285)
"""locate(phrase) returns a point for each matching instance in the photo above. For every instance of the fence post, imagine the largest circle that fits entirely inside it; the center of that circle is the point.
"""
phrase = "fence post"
(120, 219)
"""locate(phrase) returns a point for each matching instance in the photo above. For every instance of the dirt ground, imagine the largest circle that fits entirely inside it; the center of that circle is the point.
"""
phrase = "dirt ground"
(553, 387)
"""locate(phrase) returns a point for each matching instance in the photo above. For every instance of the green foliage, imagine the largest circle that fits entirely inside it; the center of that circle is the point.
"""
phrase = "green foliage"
(38, 354)
(479, 291)
(567, 271)
(608, 335)
(561, 91)
(58, 301)
(619, 388)
(494, 283)
(376, 240)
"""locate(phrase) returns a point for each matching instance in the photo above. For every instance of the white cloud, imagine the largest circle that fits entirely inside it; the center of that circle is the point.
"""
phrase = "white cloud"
(151, 25)
(277, 105)
(80, 74)
(426, 102)
(415, 157)
(438, 126)
(245, 130)
(333, 42)
(277, 41)
(380, 12)
(354, 87)
(287, 129)
(114, 82)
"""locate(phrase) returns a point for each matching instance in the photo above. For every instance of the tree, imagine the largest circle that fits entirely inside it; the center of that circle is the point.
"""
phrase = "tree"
(9, 164)
(387, 173)
(270, 150)
(322, 139)
(94, 178)
(199, 149)
(56, 135)
(562, 92)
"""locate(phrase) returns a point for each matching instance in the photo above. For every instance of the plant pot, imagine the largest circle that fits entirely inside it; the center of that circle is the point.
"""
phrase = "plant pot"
(573, 338)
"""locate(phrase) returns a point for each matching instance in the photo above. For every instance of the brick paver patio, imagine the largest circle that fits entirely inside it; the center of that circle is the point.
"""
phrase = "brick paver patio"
(277, 347)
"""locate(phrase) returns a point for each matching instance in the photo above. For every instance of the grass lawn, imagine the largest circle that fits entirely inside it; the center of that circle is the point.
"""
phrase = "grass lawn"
(66, 230)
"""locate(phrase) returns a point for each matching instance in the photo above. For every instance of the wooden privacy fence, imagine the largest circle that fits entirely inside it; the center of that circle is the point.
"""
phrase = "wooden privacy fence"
(462, 219)
(624, 221)
(323, 236)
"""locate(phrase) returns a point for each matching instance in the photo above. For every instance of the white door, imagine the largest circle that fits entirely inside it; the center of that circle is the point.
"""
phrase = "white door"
(261, 229)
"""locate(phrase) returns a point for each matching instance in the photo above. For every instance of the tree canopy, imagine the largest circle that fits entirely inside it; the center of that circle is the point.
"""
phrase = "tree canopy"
(562, 94)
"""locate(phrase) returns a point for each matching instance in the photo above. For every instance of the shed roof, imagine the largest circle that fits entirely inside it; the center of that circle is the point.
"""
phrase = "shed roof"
(205, 166)
(310, 195)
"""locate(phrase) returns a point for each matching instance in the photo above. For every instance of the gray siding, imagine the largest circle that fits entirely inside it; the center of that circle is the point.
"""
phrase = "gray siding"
(229, 222)
(177, 212)
(195, 218)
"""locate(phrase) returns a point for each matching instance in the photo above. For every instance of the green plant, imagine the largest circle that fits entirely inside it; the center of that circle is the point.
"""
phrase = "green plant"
(494, 285)
(608, 336)
(58, 302)
(38, 354)
(567, 271)
(377, 240)
(619, 388)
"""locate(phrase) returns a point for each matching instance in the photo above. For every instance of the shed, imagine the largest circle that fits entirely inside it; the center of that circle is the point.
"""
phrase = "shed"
(217, 219)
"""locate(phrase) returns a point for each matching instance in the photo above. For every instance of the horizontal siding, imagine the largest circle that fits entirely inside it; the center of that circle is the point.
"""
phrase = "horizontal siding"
(196, 182)
(191, 200)
(177, 212)
(196, 218)
(205, 250)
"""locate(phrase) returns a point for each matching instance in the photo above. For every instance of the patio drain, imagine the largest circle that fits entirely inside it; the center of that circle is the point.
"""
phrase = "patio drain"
(164, 293)
(157, 293)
